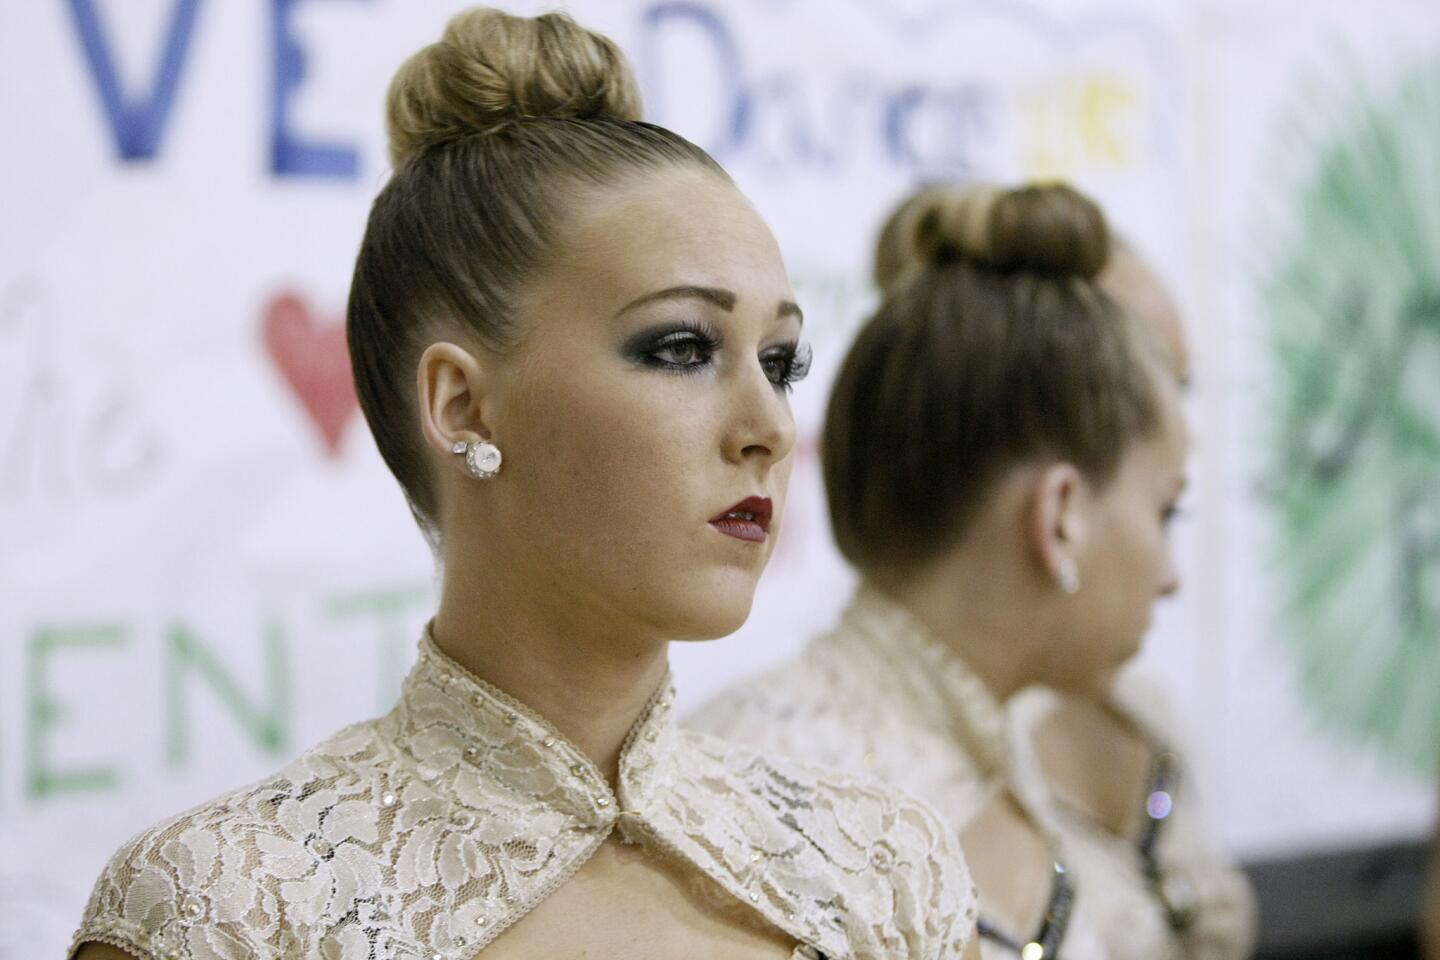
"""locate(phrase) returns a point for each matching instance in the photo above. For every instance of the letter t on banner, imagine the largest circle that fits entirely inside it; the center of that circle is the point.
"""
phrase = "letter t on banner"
(290, 155)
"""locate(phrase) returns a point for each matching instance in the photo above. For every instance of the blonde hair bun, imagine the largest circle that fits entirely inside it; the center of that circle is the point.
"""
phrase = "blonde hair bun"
(1051, 229)
(491, 68)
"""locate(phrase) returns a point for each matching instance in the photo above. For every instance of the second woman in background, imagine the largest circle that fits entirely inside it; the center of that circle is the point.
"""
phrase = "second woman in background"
(1003, 451)
(1121, 795)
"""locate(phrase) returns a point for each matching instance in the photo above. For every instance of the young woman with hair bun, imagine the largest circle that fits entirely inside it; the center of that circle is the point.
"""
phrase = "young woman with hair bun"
(573, 340)
(1003, 451)
(1123, 798)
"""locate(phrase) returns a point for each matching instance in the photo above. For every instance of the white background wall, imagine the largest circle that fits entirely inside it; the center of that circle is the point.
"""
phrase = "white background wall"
(195, 583)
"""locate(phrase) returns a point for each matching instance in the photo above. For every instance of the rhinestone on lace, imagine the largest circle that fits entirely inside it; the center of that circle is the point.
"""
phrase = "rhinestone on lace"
(388, 800)
(548, 741)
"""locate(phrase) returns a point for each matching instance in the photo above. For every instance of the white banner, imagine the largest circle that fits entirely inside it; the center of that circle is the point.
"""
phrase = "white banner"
(204, 565)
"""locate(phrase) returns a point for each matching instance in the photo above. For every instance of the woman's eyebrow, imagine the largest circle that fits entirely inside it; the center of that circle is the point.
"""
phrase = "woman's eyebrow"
(716, 296)
(723, 299)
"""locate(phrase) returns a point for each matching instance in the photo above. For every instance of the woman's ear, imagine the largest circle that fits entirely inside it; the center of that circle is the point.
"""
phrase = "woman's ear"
(451, 385)
(1058, 523)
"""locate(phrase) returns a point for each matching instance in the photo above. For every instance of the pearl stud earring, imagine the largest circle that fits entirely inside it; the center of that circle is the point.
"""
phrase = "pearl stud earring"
(1069, 576)
(482, 457)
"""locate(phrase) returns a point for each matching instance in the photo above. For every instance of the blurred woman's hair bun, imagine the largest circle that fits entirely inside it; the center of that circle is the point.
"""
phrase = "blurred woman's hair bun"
(1049, 229)
(491, 68)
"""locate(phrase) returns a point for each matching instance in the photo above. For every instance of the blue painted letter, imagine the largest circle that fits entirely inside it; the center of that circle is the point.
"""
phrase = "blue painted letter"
(290, 155)
(734, 116)
(139, 125)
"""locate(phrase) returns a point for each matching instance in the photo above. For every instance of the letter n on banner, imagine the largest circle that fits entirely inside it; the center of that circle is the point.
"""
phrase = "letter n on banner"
(267, 722)
(139, 125)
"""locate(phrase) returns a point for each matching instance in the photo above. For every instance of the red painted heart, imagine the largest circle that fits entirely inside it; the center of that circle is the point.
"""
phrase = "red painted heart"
(313, 359)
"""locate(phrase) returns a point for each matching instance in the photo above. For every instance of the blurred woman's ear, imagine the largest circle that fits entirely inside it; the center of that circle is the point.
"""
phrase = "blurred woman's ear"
(1057, 523)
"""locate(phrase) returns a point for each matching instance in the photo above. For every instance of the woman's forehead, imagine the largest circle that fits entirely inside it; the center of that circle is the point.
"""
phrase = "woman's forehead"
(686, 227)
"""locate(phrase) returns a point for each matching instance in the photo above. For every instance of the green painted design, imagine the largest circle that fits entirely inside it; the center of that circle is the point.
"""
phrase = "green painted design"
(392, 609)
(1352, 310)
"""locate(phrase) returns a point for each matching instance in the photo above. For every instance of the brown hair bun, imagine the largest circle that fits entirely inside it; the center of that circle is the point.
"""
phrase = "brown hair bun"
(491, 68)
(1050, 229)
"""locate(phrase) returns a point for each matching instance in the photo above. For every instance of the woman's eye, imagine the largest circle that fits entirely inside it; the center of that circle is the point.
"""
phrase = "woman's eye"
(684, 350)
(788, 365)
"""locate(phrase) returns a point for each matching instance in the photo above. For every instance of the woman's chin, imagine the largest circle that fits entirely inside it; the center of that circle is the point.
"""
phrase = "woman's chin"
(713, 621)
(699, 604)
(717, 610)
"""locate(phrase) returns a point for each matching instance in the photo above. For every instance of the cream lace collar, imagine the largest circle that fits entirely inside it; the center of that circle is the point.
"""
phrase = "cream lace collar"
(426, 833)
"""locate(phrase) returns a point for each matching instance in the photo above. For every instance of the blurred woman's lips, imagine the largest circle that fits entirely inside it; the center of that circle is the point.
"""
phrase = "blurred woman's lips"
(747, 520)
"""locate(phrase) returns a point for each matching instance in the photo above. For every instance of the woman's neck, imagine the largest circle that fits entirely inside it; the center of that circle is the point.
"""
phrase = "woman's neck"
(970, 605)
(575, 670)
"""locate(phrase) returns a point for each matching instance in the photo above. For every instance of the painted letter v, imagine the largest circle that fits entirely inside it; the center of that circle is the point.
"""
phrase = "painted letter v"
(138, 125)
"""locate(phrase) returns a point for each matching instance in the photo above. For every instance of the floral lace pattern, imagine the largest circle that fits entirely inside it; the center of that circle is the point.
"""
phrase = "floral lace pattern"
(427, 832)
(880, 696)
(1132, 921)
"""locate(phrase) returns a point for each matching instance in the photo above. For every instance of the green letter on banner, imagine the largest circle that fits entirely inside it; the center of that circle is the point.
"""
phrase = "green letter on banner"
(267, 723)
(45, 712)
(391, 608)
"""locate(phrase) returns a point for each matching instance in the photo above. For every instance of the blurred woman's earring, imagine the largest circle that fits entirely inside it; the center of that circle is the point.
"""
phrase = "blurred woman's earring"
(1069, 576)
(481, 457)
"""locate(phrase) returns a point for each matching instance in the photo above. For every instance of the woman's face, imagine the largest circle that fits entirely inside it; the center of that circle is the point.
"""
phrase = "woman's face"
(644, 415)
(1126, 562)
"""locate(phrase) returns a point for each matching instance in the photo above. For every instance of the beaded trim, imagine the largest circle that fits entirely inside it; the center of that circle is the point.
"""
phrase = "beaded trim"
(1045, 945)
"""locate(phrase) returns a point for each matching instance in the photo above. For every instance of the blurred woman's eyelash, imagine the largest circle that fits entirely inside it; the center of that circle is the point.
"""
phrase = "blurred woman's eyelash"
(1172, 513)
(787, 364)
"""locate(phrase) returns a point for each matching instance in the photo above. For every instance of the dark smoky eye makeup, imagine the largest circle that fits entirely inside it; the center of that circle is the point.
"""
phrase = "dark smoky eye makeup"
(787, 364)
(676, 347)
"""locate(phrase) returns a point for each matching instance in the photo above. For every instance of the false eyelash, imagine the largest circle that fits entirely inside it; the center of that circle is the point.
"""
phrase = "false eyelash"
(796, 358)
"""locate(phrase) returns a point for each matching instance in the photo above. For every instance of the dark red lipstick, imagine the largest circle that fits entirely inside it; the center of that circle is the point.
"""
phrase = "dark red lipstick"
(747, 520)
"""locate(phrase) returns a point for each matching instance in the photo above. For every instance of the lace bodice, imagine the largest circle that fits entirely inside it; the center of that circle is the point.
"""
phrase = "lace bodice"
(880, 696)
(1197, 884)
(427, 832)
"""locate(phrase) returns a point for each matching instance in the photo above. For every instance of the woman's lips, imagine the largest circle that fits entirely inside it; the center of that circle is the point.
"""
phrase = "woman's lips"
(747, 520)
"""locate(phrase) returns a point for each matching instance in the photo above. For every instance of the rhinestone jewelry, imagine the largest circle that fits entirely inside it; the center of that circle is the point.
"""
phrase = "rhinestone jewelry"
(483, 458)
